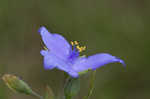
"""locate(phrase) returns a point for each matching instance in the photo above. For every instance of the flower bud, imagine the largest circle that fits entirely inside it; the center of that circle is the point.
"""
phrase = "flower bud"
(16, 84)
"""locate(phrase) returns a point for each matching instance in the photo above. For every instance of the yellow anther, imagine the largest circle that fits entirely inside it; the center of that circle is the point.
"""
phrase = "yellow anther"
(80, 48)
(76, 43)
(45, 48)
(72, 43)
(83, 48)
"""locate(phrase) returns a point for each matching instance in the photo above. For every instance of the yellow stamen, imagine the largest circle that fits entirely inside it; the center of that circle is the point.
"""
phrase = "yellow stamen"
(76, 43)
(45, 48)
(72, 43)
(80, 48)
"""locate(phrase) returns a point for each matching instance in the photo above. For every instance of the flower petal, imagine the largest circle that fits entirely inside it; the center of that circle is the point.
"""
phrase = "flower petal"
(95, 61)
(56, 43)
(47, 60)
(52, 61)
(73, 55)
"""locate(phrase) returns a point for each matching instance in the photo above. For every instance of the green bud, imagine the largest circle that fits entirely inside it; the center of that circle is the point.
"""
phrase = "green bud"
(72, 87)
(17, 84)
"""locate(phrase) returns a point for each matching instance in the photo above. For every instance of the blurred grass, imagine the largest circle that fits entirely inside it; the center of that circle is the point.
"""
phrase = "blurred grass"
(119, 27)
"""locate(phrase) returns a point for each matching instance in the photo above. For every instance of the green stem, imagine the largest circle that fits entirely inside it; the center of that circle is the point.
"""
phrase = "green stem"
(92, 80)
(37, 95)
(65, 85)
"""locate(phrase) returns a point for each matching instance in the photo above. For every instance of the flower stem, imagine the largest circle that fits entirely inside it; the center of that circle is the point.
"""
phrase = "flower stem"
(92, 80)
(37, 95)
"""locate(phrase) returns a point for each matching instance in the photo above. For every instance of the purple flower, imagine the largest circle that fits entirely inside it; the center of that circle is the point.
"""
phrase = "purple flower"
(61, 55)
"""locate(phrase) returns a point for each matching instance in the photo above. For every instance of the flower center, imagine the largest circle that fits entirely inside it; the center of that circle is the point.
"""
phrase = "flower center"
(79, 48)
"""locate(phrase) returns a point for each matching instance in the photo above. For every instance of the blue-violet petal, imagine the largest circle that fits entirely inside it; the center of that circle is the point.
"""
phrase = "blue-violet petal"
(52, 61)
(56, 43)
(95, 61)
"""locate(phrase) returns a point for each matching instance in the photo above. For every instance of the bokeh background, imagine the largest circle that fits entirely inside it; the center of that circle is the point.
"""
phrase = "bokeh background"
(119, 27)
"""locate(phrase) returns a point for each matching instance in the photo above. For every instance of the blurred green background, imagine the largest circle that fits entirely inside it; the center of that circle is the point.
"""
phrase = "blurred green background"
(119, 27)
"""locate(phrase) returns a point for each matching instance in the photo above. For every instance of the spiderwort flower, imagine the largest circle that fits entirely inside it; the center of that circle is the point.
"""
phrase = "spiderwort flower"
(61, 55)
